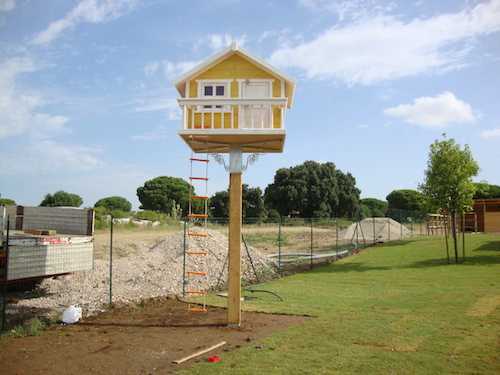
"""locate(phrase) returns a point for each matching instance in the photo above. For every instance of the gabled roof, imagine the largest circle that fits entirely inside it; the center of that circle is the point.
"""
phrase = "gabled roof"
(223, 55)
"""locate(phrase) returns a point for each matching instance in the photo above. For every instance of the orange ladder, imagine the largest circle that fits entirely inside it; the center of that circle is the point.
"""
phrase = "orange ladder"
(196, 275)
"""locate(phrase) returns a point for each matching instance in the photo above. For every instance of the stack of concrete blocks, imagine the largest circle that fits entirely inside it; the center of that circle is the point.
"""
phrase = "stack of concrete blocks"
(71, 250)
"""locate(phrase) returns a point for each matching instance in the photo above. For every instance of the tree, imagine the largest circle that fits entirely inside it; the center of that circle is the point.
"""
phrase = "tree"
(373, 207)
(252, 204)
(448, 180)
(219, 204)
(313, 189)
(486, 191)
(163, 193)
(114, 203)
(7, 202)
(61, 198)
(402, 203)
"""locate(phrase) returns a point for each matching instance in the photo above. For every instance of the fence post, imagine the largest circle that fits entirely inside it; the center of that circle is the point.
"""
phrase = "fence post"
(4, 288)
(388, 229)
(279, 246)
(311, 266)
(111, 262)
(463, 237)
(336, 239)
(373, 223)
(401, 227)
(184, 261)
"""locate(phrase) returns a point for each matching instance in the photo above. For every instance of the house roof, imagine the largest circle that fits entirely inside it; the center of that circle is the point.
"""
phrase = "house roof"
(223, 55)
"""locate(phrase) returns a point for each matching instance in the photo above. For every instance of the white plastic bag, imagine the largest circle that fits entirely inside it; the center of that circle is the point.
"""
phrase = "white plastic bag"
(72, 315)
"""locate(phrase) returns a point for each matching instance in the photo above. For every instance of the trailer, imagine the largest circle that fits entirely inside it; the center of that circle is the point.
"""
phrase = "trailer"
(42, 242)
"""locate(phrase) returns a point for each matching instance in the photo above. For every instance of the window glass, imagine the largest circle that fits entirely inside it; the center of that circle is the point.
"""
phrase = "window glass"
(209, 91)
(219, 90)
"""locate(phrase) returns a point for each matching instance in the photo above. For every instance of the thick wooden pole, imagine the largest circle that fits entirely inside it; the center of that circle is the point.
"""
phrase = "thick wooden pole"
(234, 291)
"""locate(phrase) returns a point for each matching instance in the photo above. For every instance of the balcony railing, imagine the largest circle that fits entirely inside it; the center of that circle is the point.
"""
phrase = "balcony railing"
(241, 114)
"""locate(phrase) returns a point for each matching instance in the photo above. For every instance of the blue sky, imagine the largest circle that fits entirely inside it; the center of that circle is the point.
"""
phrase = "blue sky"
(87, 103)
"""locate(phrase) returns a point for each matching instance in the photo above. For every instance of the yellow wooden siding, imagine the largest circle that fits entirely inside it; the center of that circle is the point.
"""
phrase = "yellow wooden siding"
(276, 88)
(235, 90)
(189, 118)
(235, 115)
(220, 120)
(276, 117)
(234, 67)
(193, 89)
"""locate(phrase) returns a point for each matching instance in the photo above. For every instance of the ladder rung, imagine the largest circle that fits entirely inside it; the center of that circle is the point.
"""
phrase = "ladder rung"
(202, 160)
(196, 234)
(199, 178)
(195, 253)
(198, 216)
(199, 292)
(199, 197)
(196, 273)
(197, 309)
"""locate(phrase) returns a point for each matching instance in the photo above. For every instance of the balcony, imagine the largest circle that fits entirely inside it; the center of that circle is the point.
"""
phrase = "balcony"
(219, 124)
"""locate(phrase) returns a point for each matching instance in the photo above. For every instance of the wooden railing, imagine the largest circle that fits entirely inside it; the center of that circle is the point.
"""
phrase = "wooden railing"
(241, 114)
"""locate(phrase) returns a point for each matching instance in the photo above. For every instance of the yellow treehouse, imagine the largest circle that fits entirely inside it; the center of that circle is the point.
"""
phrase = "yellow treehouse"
(234, 98)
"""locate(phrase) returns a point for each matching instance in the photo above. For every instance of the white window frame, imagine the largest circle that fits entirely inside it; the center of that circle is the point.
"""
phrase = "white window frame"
(214, 82)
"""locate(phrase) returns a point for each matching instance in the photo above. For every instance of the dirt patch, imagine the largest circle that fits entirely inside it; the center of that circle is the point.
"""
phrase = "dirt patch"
(144, 338)
(484, 306)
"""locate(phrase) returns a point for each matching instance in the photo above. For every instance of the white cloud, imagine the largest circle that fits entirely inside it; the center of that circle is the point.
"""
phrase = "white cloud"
(7, 5)
(349, 9)
(491, 133)
(90, 11)
(219, 41)
(159, 103)
(20, 110)
(170, 70)
(49, 157)
(379, 46)
(160, 133)
(216, 42)
(434, 111)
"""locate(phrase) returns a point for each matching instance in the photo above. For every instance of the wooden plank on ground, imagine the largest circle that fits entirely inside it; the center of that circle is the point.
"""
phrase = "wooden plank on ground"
(201, 352)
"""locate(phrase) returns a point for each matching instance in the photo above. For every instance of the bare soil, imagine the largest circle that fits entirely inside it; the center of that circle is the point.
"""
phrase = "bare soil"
(139, 339)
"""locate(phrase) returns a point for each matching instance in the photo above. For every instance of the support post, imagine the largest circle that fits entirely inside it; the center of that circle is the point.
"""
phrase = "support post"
(279, 246)
(111, 262)
(235, 209)
(6, 278)
(184, 247)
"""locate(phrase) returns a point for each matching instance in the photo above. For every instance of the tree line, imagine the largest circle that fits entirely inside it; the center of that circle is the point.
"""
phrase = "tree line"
(308, 190)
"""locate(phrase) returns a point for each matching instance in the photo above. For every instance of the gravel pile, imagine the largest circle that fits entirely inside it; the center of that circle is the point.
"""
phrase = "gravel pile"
(150, 272)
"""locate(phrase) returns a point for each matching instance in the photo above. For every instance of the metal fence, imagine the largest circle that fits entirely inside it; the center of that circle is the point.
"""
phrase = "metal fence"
(133, 262)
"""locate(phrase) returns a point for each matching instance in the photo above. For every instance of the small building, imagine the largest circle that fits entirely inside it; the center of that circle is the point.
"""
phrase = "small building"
(234, 98)
(487, 212)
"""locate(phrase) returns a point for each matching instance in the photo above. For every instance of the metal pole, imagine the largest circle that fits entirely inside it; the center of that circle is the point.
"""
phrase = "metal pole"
(184, 261)
(336, 239)
(111, 262)
(446, 239)
(388, 229)
(279, 246)
(4, 289)
(463, 237)
(311, 266)
(401, 231)
(373, 222)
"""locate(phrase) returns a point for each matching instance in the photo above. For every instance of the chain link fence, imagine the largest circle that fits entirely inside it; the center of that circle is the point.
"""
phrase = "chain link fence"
(132, 262)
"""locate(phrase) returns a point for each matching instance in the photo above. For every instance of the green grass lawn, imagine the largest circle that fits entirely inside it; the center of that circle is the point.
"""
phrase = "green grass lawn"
(397, 308)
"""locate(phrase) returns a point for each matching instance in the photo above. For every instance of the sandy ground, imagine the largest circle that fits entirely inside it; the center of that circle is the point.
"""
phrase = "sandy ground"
(138, 339)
